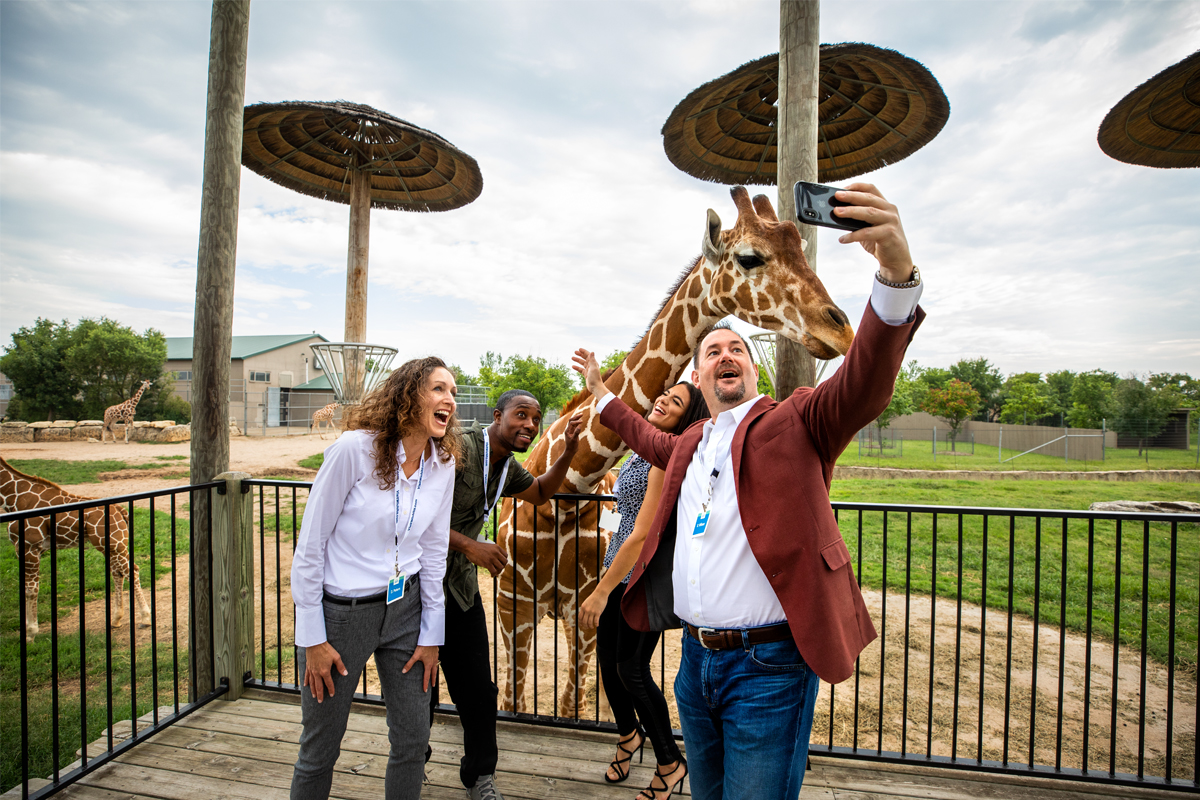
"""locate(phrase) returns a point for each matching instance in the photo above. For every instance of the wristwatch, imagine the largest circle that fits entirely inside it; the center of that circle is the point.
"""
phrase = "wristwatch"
(915, 280)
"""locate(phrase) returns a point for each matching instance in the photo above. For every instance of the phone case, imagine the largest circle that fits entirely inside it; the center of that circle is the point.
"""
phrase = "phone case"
(814, 206)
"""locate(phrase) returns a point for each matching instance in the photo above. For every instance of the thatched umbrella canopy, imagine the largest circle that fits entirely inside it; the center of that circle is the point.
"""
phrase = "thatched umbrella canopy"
(355, 154)
(1158, 123)
(877, 107)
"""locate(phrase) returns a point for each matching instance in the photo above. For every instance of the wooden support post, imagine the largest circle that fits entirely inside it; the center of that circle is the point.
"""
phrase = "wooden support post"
(356, 284)
(213, 333)
(796, 123)
(233, 583)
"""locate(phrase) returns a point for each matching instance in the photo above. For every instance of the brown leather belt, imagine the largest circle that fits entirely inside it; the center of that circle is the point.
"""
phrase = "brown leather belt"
(737, 638)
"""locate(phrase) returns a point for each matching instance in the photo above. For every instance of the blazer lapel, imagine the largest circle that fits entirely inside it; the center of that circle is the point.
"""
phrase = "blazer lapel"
(760, 407)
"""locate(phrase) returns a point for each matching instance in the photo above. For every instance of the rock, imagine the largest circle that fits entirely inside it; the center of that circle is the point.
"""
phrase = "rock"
(175, 433)
(16, 424)
(81, 432)
(1152, 506)
(93, 439)
(52, 435)
(36, 425)
(142, 424)
(90, 422)
(63, 423)
(163, 423)
(16, 435)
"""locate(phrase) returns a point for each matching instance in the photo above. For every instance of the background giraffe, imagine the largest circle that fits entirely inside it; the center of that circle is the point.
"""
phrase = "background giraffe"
(21, 492)
(756, 271)
(122, 412)
(325, 414)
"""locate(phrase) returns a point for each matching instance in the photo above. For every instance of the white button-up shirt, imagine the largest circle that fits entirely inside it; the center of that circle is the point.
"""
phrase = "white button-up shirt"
(347, 543)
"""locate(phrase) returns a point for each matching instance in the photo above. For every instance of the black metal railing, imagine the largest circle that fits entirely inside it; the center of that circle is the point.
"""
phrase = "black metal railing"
(1038, 642)
(1035, 642)
(78, 679)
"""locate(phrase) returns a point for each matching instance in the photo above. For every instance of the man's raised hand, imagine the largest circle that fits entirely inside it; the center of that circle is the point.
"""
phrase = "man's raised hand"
(885, 237)
(585, 363)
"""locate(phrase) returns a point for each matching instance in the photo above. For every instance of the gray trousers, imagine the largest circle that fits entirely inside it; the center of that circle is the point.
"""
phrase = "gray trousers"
(356, 632)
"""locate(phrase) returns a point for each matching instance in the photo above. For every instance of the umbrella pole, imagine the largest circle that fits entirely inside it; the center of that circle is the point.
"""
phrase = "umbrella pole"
(356, 280)
(799, 60)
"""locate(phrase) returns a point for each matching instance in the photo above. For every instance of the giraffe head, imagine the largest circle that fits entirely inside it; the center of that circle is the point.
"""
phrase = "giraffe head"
(757, 271)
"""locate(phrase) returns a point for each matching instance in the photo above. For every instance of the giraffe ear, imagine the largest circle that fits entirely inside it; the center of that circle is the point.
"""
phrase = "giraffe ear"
(712, 246)
(803, 245)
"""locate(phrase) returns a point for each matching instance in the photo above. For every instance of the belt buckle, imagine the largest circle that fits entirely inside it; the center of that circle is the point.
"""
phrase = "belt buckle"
(701, 633)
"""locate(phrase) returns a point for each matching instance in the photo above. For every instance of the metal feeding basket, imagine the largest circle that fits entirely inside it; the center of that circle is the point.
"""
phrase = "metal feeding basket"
(353, 369)
(764, 348)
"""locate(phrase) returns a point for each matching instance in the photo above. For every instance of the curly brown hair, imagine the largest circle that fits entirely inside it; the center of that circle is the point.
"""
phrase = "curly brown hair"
(393, 409)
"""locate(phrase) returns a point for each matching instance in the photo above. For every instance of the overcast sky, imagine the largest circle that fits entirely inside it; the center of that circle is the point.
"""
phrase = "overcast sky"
(1038, 251)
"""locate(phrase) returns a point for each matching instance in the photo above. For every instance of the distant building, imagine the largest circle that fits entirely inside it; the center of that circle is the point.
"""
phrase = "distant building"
(262, 372)
(6, 393)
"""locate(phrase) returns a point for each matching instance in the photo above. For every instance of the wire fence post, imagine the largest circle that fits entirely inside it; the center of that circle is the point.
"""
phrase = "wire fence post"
(1103, 438)
(935, 445)
(1066, 446)
(1000, 447)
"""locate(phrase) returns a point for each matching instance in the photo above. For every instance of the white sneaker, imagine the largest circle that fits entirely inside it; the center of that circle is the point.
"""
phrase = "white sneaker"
(484, 789)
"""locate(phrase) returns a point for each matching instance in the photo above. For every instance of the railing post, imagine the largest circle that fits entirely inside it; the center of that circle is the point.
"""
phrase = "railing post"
(233, 583)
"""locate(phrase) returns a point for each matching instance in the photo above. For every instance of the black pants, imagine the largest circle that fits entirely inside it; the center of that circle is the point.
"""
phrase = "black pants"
(624, 656)
(468, 676)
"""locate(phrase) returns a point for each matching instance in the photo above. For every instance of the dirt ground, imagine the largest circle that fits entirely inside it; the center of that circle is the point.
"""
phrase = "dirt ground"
(909, 707)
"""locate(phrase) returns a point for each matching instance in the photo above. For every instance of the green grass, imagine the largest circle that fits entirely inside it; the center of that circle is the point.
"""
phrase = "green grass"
(73, 472)
(171, 458)
(40, 675)
(1024, 551)
(919, 455)
(313, 462)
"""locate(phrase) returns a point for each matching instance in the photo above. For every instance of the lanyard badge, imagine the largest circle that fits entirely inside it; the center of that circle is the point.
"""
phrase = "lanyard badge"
(395, 588)
(487, 463)
(706, 507)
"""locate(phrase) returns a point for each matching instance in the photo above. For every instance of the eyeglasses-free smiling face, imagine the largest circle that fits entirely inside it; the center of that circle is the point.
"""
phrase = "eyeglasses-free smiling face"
(438, 401)
(725, 365)
(518, 424)
(669, 408)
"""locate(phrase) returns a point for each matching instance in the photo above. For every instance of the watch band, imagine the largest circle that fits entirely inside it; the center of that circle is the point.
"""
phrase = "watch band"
(915, 280)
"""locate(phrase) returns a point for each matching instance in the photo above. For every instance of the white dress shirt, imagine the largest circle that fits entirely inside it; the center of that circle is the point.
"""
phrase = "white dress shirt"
(347, 543)
(717, 581)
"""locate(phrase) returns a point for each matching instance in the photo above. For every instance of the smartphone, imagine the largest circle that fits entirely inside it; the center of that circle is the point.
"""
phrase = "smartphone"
(814, 206)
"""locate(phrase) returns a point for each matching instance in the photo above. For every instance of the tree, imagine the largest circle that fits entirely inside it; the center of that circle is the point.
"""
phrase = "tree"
(1140, 411)
(1182, 390)
(984, 379)
(551, 384)
(1091, 398)
(1058, 392)
(463, 378)
(111, 361)
(36, 364)
(1024, 401)
(902, 399)
(956, 403)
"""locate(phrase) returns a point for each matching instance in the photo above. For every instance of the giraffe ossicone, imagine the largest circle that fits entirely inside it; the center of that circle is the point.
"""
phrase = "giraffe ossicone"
(21, 492)
(756, 271)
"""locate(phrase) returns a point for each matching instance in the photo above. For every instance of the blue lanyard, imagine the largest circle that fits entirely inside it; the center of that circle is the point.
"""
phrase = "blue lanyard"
(413, 512)
(487, 462)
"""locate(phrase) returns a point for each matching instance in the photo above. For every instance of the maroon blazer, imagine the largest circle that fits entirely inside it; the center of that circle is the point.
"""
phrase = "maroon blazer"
(783, 458)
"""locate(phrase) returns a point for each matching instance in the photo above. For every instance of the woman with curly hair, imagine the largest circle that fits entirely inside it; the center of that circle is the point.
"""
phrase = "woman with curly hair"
(367, 573)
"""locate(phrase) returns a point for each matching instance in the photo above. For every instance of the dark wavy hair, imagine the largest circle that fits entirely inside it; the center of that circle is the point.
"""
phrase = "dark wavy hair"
(696, 409)
(393, 409)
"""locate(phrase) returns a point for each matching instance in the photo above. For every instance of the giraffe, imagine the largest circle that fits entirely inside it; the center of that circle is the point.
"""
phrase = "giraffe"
(324, 414)
(21, 492)
(756, 271)
(123, 413)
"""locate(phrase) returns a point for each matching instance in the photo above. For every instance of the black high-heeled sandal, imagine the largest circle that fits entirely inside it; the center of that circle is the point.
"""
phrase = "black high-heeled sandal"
(651, 791)
(617, 763)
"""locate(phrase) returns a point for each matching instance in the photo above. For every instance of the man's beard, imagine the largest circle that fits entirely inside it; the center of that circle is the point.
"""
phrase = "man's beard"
(733, 396)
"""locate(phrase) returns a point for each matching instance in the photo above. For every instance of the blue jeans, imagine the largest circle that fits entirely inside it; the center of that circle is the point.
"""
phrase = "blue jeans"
(746, 716)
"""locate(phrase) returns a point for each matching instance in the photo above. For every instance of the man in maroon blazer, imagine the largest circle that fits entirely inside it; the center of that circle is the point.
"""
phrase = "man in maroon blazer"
(744, 549)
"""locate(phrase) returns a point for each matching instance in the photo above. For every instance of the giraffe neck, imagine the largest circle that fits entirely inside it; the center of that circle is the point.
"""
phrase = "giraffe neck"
(21, 492)
(131, 404)
(656, 362)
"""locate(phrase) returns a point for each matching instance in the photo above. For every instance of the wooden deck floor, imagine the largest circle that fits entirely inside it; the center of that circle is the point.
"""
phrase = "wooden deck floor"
(244, 750)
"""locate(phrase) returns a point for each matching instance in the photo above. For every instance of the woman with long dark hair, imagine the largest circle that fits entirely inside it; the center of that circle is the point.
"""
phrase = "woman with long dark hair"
(367, 573)
(623, 652)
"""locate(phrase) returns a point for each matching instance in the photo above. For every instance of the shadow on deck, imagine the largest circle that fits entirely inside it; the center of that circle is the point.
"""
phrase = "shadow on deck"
(244, 750)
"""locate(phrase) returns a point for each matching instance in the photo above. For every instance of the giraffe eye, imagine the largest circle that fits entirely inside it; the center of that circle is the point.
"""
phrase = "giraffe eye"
(749, 261)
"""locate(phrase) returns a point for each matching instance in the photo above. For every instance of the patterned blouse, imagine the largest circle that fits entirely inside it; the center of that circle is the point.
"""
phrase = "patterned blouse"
(630, 491)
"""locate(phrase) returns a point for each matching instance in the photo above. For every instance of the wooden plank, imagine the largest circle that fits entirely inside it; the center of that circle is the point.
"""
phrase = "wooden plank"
(174, 785)
(233, 584)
